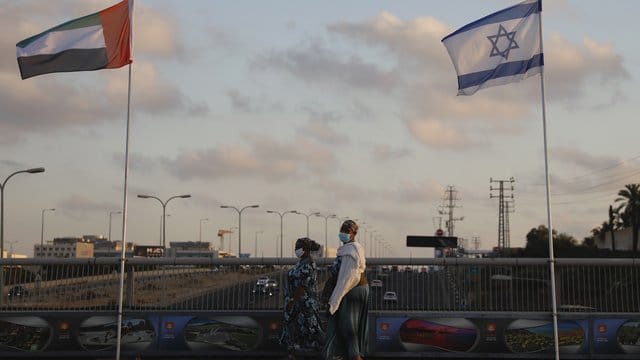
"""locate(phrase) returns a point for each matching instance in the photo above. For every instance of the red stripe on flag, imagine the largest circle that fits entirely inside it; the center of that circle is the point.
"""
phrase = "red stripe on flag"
(116, 27)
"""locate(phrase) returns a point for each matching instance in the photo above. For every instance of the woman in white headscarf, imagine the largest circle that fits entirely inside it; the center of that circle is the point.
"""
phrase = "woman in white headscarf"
(349, 302)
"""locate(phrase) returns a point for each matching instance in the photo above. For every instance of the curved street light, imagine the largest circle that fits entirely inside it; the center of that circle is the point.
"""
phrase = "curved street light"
(281, 217)
(164, 211)
(2, 186)
(307, 216)
(326, 219)
(239, 222)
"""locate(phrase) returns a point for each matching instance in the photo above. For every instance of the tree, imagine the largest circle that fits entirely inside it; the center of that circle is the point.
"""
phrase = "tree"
(612, 226)
(629, 199)
(538, 243)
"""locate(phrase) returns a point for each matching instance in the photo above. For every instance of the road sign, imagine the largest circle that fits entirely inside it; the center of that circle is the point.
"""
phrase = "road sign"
(432, 241)
(439, 232)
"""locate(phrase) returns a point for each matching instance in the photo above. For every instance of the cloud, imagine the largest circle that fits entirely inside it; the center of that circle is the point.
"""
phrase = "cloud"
(137, 162)
(319, 128)
(159, 37)
(570, 67)
(436, 134)
(427, 192)
(413, 40)
(316, 63)
(386, 152)
(263, 158)
(428, 77)
(56, 102)
(79, 203)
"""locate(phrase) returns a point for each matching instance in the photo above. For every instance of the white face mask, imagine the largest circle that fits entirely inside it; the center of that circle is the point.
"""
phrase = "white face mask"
(299, 252)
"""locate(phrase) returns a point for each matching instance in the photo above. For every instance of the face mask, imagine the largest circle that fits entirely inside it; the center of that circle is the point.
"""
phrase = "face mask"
(299, 252)
(344, 238)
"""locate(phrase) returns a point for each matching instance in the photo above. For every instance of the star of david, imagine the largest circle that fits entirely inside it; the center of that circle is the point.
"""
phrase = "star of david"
(502, 33)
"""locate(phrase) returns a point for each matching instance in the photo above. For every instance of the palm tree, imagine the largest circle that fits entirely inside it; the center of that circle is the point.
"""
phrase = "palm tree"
(612, 226)
(630, 209)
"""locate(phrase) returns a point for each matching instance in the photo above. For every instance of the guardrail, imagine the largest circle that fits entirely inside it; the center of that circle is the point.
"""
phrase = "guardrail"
(203, 284)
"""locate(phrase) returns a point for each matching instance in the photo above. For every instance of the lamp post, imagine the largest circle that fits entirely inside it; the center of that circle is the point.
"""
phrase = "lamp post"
(164, 211)
(11, 255)
(111, 213)
(2, 186)
(42, 228)
(162, 220)
(201, 220)
(281, 217)
(239, 222)
(255, 246)
(307, 216)
(326, 219)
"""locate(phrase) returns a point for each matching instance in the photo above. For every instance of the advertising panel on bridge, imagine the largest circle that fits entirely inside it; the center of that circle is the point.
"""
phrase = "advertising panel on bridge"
(152, 333)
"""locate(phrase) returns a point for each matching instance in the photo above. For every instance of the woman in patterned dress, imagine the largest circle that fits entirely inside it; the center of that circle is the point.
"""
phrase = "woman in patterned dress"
(301, 329)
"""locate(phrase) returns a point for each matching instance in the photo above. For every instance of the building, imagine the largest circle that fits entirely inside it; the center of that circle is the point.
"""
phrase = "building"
(65, 247)
(623, 237)
(191, 249)
(104, 247)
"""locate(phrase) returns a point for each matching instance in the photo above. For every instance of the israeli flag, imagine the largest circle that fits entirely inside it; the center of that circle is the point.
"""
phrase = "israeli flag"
(498, 49)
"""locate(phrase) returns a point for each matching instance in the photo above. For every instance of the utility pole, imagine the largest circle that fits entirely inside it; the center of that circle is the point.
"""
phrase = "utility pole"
(448, 204)
(504, 194)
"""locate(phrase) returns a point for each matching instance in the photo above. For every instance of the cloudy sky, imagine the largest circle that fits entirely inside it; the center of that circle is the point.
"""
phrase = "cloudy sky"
(344, 108)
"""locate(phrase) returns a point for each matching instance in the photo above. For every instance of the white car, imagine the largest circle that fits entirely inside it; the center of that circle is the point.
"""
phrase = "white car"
(390, 296)
(376, 283)
(262, 281)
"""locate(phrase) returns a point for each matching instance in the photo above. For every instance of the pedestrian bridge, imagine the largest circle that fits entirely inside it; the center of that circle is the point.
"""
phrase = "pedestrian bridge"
(444, 308)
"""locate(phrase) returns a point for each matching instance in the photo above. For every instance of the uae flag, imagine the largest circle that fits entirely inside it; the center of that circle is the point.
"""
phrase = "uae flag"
(97, 41)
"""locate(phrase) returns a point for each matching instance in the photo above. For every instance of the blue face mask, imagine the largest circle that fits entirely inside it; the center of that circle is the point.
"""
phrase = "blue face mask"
(344, 238)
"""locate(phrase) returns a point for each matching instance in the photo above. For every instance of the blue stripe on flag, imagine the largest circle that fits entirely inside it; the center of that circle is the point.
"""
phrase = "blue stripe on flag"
(515, 12)
(502, 70)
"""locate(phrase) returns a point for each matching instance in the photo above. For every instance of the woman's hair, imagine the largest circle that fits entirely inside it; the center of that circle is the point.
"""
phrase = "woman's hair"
(307, 244)
(349, 226)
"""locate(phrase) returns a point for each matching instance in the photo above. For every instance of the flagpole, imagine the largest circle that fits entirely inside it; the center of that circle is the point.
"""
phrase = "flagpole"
(123, 253)
(552, 260)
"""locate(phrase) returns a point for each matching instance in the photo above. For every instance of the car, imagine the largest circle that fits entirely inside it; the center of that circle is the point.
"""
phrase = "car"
(270, 288)
(17, 291)
(390, 296)
(376, 283)
(262, 281)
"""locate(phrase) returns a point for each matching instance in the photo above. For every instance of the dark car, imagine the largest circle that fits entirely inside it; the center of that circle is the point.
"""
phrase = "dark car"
(17, 291)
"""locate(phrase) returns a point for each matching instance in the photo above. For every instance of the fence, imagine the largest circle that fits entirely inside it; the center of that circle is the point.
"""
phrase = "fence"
(429, 285)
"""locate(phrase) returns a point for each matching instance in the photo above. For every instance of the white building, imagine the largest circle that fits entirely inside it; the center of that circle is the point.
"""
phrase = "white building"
(191, 249)
(66, 247)
(624, 240)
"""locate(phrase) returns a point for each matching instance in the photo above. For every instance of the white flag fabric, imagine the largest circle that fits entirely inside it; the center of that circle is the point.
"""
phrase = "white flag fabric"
(498, 49)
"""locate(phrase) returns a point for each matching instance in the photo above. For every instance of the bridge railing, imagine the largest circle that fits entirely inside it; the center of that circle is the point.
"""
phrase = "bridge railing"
(203, 284)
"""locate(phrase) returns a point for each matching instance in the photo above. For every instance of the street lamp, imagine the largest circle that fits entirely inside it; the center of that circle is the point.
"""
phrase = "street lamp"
(42, 229)
(281, 216)
(164, 211)
(326, 219)
(307, 216)
(30, 171)
(11, 255)
(255, 246)
(111, 213)
(239, 222)
(162, 220)
(201, 220)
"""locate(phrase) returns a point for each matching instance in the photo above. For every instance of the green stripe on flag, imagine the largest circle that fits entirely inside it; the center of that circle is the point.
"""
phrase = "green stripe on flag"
(85, 21)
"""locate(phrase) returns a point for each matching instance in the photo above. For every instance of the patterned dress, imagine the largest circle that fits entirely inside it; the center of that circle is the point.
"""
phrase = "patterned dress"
(301, 323)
